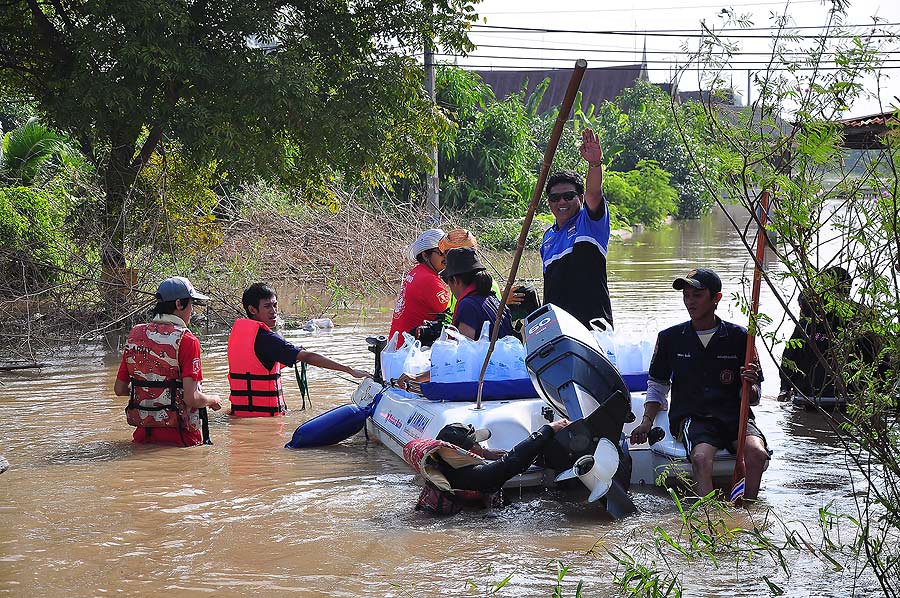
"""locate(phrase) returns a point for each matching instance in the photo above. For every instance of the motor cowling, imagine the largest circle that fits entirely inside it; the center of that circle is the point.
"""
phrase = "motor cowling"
(572, 373)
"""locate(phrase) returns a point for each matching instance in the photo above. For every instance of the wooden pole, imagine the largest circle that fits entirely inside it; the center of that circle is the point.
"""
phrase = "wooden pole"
(738, 478)
(564, 110)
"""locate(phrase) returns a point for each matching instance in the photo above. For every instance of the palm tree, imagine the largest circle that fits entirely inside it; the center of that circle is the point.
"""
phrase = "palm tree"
(25, 149)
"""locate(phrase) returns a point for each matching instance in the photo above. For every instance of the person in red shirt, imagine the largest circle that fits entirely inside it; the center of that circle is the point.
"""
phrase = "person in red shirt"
(161, 371)
(423, 296)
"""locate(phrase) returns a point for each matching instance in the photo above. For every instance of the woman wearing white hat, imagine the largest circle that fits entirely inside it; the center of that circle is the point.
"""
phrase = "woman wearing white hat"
(423, 296)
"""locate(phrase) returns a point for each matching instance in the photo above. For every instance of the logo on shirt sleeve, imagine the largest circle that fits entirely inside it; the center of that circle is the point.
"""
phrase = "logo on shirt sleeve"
(195, 365)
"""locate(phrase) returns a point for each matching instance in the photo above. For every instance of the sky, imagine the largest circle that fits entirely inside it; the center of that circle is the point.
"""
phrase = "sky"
(671, 29)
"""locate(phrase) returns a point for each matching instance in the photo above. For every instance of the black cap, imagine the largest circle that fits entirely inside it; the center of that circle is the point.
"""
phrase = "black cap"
(699, 278)
(463, 435)
(461, 261)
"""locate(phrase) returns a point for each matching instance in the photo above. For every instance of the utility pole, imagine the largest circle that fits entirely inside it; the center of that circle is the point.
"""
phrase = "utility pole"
(748, 87)
(432, 182)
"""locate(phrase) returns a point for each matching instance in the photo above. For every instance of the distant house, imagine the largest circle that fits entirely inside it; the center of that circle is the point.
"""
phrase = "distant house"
(598, 85)
(864, 132)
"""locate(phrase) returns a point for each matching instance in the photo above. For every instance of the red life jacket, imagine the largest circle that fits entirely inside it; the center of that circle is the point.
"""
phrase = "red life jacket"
(255, 390)
(437, 497)
(157, 394)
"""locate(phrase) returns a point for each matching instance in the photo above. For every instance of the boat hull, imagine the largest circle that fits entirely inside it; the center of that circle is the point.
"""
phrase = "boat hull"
(399, 417)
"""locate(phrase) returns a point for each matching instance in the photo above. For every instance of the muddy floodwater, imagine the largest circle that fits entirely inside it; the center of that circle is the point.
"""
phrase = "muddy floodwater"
(84, 512)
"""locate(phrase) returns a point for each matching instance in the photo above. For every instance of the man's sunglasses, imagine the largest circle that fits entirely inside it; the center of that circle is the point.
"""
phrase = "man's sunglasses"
(566, 195)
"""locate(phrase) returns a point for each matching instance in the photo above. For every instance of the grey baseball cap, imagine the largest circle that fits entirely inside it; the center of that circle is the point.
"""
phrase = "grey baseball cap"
(178, 287)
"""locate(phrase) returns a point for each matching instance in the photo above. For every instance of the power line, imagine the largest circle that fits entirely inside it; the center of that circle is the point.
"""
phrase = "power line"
(545, 59)
(543, 12)
(670, 52)
(691, 33)
(631, 66)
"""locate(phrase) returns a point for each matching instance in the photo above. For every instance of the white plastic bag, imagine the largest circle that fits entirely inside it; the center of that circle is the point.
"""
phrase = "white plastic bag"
(629, 357)
(507, 361)
(417, 360)
(393, 360)
(606, 339)
(476, 353)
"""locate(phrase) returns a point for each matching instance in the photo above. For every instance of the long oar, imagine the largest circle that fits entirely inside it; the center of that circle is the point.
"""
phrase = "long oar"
(739, 478)
(564, 109)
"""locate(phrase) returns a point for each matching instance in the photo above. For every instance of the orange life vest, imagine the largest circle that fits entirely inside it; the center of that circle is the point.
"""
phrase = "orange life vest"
(437, 497)
(157, 395)
(255, 390)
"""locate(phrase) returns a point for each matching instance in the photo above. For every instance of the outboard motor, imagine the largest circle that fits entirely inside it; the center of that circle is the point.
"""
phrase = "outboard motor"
(376, 345)
(572, 373)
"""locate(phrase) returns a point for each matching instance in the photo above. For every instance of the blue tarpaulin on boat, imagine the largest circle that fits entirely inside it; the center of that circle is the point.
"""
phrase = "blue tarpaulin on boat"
(494, 390)
(502, 390)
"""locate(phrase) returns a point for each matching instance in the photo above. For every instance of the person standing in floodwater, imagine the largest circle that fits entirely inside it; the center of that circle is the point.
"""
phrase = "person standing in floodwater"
(161, 371)
(574, 249)
(256, 354)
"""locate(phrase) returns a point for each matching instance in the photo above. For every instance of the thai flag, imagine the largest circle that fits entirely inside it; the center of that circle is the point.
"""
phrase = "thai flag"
(737, 493)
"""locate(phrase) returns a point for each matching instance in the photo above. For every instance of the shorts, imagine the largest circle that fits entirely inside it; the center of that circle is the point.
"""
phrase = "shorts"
(709, 430)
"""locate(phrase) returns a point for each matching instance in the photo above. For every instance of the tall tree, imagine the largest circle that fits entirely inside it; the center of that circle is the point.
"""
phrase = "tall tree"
(262, 88)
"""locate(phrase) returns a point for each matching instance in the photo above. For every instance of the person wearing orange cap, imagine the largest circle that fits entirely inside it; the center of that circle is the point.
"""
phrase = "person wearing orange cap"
(459, 238)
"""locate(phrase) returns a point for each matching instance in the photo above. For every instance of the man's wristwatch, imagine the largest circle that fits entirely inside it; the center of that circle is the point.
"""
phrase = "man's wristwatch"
(596, 164)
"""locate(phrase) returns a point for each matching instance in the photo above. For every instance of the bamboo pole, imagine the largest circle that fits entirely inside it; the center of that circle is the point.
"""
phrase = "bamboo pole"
(738, 478)
(564, 110)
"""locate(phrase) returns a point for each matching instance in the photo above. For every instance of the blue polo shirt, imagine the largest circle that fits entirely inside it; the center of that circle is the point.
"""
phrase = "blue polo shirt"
(574, 260)
(706, 381)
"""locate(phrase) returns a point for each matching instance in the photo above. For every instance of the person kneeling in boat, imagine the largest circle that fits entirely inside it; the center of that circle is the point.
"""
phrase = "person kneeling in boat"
(476, 304)
(460, 473)
(702, 361)
(423, 295)
(161, 371)
(256, 355)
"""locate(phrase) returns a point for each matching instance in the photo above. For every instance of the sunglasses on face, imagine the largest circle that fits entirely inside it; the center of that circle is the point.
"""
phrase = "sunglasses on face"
(566, 195)
(437, 252)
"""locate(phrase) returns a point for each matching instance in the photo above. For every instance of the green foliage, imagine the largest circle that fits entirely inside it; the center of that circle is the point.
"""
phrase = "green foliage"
(825, 212)
(706, 533)
(642, 195)
(641, 125)
(25, 149)
(490, 161)
(175, 206)
(485, 167)
(286, 90)
(31, 234)
(503, 233)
